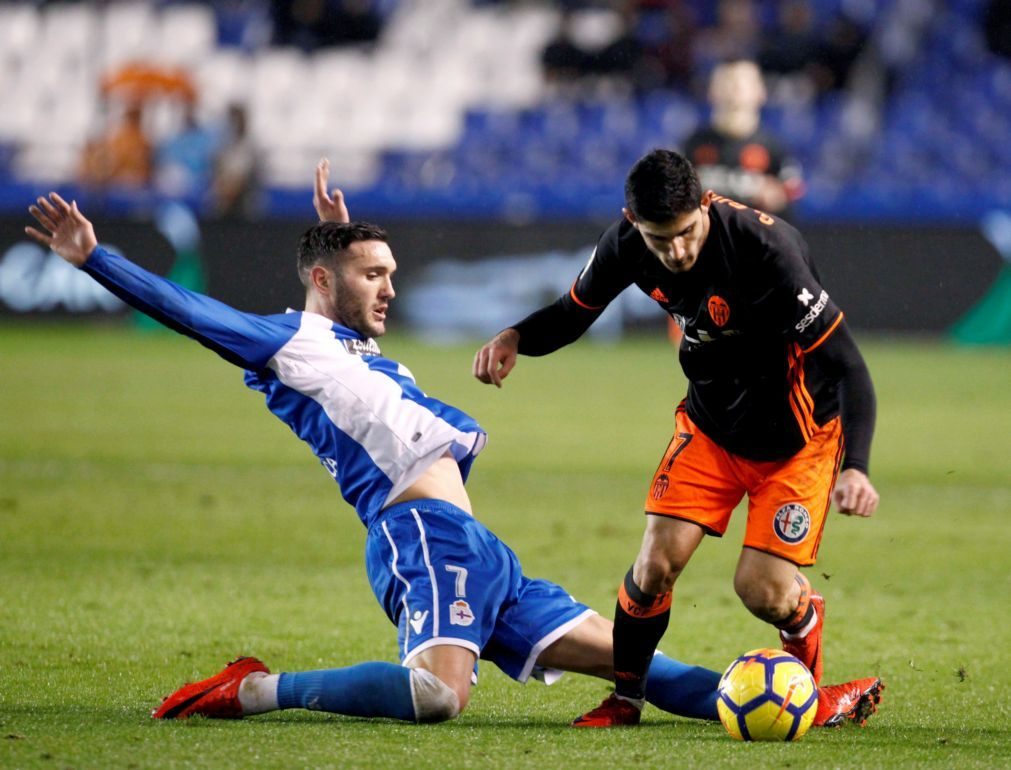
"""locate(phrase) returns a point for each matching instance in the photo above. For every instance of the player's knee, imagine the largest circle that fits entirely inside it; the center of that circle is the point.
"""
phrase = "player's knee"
(434, 700)
(656, 572)
(764, 599)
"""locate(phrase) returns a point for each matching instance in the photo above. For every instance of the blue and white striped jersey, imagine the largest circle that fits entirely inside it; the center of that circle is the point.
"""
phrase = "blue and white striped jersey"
(363, 415)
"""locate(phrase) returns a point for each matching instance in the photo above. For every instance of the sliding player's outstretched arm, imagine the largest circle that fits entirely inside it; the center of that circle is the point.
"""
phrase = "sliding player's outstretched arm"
(244, 339)
(68, 232)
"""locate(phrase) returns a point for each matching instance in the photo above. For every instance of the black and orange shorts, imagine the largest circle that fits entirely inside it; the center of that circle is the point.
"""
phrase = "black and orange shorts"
(788, 500)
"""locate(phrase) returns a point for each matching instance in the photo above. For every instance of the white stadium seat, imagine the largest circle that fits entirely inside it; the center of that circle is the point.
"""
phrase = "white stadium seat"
(434, 60)
(187, 34)
(128, 32)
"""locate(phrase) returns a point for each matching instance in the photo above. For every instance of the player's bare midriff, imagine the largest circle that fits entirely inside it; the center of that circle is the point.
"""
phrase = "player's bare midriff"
(440, 481)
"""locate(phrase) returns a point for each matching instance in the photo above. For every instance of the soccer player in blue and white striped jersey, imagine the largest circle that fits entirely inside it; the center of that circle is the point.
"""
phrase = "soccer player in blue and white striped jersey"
(454, 591)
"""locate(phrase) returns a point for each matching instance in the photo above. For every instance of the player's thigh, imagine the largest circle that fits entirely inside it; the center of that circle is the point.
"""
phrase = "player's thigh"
(536, 616)
(763, 579)
(667, 545)
(586, 649)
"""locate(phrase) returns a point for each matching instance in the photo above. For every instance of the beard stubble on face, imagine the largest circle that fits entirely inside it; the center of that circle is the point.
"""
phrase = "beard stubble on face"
(356, 312)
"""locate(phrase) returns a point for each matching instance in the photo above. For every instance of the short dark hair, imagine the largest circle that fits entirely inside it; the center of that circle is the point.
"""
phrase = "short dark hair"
(661, 186)
(326, 241)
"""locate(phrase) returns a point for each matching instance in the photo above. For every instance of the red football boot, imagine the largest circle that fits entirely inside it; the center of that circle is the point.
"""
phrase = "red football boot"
(808, 648)
(216, 697)
(613, 712)
(855, 701)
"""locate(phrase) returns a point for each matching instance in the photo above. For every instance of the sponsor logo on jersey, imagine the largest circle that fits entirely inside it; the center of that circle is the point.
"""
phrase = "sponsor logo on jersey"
(659, 296)
(805, 297)
(362, 347)
(719, 310)
(814, 312)
(791, 523)
(460, 613)
(418, 620)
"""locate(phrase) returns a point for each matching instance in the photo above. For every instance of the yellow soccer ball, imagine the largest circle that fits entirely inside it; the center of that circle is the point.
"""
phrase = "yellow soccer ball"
(767, 695)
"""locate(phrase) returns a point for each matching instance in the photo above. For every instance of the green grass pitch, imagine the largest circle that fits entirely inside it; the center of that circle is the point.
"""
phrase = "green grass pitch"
(156, 520)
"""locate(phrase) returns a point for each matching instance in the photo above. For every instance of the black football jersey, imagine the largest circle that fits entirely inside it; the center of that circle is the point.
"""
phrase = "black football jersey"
(751, 309)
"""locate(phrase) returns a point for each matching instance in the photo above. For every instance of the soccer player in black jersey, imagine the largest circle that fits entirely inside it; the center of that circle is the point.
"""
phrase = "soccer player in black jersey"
(780, 406)
(733, 153)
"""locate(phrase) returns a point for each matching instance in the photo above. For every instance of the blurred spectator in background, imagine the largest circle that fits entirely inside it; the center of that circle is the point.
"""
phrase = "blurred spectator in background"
(581, 64)
(236, 169)
(736, 35)
(837, 52)
(121, 157)
(619, 58)
(792, 46)
(733, 155)
(666, 31)
(649, 47)
(563, 60)
(312, 24)
(997, 27)
(184, 161)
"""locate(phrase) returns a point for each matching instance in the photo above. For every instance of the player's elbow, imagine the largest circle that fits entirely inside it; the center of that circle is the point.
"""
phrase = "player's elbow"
(434, 700)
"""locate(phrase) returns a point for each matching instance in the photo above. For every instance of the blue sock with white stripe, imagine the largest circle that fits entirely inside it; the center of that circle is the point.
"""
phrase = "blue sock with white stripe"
(688, 691)
(366, 690)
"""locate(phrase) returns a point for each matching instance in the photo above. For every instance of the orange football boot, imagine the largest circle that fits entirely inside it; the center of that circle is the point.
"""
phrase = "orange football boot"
(216, 697)
(855, 701)
(613, 712)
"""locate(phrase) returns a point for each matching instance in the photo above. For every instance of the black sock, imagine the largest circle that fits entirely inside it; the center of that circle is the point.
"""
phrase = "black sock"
(640, 620)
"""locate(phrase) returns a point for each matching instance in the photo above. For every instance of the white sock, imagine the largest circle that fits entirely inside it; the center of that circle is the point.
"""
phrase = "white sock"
(258, 693)
(639, 703)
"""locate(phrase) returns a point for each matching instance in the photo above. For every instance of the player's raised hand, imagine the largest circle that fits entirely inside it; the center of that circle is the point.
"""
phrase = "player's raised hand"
(854, 494)
(68, 232)
(496, 359)
(329, 205)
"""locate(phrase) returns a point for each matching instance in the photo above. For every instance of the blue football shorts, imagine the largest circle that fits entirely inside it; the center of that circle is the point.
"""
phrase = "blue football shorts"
(444, 578)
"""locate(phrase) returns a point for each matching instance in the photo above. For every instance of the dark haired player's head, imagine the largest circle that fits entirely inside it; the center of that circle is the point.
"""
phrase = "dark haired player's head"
(662, 186)
(347, 270)
(325, 243)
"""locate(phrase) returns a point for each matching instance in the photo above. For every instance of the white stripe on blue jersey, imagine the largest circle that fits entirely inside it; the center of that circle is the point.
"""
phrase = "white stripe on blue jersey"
(363, 415)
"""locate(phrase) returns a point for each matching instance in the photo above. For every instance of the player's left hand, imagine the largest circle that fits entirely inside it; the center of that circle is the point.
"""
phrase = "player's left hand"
(329, 206)
(68, 231)
(494, 361)
(854, 495)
